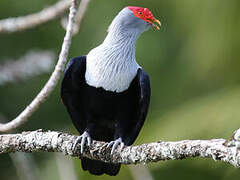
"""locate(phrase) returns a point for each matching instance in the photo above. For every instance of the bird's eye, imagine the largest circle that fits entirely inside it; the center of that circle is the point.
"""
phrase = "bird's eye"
(140, 13)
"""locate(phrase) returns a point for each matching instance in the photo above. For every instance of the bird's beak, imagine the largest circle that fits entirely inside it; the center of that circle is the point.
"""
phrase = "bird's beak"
(156, 23)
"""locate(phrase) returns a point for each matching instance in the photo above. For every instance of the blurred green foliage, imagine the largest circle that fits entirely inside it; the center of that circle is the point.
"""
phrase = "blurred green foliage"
(193, 63)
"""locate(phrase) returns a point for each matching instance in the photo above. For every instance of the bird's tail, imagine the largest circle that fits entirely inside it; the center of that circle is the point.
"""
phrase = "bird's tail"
(98, 168)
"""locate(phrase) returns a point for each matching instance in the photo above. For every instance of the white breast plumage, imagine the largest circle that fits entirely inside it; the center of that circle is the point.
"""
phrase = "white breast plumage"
(110, 68)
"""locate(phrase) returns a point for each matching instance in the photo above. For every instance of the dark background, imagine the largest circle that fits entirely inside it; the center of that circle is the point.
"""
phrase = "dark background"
(193, 63)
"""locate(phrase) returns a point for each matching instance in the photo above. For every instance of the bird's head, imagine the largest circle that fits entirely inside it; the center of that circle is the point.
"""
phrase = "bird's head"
(145, 15)
(133, 18)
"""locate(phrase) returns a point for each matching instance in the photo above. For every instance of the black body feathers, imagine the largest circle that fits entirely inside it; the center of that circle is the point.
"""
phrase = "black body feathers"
(105, 115)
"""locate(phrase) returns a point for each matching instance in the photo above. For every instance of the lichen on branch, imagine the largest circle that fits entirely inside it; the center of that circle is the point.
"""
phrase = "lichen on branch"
(52, 141)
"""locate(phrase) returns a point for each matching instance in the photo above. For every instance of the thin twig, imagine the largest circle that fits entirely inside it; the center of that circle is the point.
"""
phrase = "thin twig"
(53, 80)
(80, 14)
(79, 17)
(140, 172)
(51, 141)
(65, 167)
(15, 24)
(25, 166)
(33, 63)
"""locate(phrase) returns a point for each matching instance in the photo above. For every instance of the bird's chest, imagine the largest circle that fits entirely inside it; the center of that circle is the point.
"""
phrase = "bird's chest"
(111, 75)
(104, 105)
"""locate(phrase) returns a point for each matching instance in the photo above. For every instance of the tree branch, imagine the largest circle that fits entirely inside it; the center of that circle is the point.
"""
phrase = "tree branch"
(51, 141)
(53, 80)
(25, 166)
(26, 66)
(79, 17)
(11, 25)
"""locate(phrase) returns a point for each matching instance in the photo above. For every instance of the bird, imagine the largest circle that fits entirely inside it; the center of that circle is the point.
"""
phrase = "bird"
(106, 92)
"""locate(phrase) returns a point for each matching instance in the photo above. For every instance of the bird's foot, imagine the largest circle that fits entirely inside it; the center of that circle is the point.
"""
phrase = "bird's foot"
(82, 139)
(115, 144)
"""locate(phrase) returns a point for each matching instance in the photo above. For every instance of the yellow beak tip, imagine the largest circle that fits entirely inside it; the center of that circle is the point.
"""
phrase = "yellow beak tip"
(157, 24)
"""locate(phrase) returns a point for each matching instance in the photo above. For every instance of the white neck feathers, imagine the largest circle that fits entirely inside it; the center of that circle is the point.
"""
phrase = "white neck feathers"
(112, 65)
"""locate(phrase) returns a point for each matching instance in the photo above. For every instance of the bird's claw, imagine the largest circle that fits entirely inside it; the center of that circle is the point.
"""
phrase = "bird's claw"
(82, 139)
(115, 144)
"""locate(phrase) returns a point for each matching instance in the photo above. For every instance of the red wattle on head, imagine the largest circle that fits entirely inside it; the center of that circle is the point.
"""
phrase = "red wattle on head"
(142, 13)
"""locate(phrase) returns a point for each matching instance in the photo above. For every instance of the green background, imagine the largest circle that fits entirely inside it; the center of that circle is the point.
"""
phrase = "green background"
(193, 63)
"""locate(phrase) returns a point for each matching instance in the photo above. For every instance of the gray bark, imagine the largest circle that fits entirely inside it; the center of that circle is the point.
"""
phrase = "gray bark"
(14, 24)
(51, 141)
(53, 80)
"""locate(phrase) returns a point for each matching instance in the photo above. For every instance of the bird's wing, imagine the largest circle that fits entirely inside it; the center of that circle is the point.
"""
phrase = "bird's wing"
(73, 80)
(144, 90)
